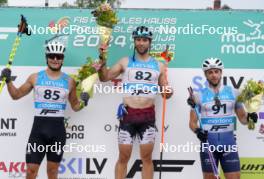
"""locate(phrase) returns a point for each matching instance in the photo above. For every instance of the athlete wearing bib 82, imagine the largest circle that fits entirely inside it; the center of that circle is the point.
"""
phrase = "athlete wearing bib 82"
(142, 76)
(218, 112)
(51, 88)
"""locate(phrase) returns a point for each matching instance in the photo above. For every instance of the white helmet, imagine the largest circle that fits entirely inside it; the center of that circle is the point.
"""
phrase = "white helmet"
(211, 63)
(54, 47)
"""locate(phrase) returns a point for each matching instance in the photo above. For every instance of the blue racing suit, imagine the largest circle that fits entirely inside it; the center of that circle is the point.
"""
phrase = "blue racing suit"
(217, 112)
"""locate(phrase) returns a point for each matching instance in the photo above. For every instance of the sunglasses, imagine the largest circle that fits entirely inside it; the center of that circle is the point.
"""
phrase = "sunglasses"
(58, 56)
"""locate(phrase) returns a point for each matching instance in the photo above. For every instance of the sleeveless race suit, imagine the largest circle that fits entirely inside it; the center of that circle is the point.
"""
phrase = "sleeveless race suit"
(220, 122)
(50, 97)
(140, 78)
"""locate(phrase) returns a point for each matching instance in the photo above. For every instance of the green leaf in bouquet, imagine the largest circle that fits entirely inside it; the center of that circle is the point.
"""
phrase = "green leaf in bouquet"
(86, 70)
(251, 89)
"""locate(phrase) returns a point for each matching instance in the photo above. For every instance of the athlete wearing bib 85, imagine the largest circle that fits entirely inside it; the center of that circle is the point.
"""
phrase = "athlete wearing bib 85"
(142, 75)
(52, 88)
(218, 110)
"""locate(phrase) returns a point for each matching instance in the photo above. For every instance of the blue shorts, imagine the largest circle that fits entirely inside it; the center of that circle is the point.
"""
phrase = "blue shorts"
(224, 149)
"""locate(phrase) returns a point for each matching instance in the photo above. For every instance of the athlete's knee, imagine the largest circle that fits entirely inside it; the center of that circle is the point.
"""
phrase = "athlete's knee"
(208, 175)
(32, 172)
(52, 172)
(123, 158)
(146, 158)
(232, 175)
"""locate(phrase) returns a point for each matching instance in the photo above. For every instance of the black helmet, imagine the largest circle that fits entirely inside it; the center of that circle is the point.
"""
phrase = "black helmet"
(142, 31)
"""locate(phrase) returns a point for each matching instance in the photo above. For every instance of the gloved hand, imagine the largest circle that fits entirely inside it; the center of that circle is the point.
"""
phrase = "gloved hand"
(6, 73)
(191, 102)
(253, 116)
(201, 134)
(84, 97)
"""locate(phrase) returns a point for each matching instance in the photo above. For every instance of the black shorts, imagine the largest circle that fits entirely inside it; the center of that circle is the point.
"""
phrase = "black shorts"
(140, 123)
(48, 136)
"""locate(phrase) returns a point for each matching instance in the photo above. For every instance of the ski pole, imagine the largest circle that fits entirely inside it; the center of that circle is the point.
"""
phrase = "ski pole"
(22, 28)
(167, 59)
(211, 157)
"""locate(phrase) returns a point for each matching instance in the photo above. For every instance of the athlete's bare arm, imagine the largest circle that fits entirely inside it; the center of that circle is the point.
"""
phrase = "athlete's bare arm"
(193, 121)
(110, 74)
(24, 89)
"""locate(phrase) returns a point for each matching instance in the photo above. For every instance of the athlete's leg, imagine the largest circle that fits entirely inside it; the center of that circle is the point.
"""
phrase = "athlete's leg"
(33, 156)
(147, 133)
(230, 159)
(57, 137)
(52, 169)
(121, 164)
(125, 140)
(231, 165)
(32, 170)
(208, 175)
(232, 175)
(146, 157)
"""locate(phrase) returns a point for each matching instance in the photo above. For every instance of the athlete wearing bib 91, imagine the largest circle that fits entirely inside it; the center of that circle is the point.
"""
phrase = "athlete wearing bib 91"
(142, 75)
(218, 110)
(52, 89)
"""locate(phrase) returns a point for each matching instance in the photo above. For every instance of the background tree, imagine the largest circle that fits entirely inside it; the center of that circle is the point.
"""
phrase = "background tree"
(67, 5)
(3, 2)
(95, 3)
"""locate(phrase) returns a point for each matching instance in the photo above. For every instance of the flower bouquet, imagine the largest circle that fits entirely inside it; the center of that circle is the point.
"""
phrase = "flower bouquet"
(106, 19)
(251, 96)
(86, 77)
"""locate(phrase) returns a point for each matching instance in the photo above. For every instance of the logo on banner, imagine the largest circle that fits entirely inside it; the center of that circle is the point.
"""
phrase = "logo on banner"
(109, 128)
(7, 127)
(245, 43)
(87, 166)
(13, 167)
(59, 25)
(200, 82)
(75, 132)
(167, 166)
(252, 168)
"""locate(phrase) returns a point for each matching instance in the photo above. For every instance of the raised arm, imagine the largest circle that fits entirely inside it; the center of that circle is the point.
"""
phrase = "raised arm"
(106, 74)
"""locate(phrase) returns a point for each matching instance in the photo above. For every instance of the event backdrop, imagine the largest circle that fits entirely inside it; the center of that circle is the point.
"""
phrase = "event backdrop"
(234, 36)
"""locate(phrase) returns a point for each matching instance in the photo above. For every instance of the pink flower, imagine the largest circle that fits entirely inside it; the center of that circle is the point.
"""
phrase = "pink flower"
(105, 7)
(103, 47)
(97, 66)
